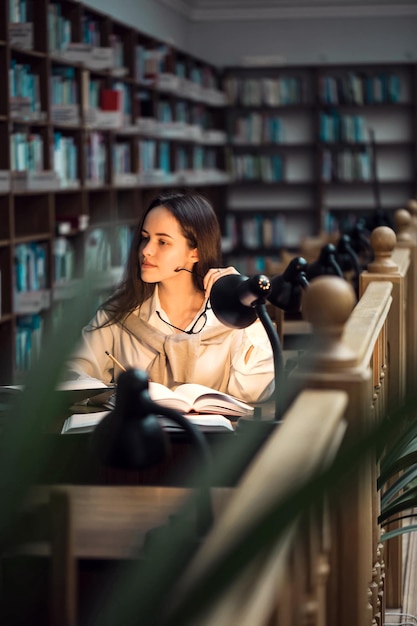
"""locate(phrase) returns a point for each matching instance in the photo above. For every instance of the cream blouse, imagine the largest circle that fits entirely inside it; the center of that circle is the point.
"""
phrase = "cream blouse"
(235, 361)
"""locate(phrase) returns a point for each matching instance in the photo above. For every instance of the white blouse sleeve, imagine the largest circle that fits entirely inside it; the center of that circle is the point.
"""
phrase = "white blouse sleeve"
(252, 365)
(90, 358)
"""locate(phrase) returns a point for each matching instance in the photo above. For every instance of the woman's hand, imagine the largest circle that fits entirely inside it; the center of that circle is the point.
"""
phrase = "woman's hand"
(214, 274)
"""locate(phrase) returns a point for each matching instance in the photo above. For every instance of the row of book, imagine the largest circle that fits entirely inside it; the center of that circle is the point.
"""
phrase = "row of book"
(360, 89)
(251, 264)
(26, 152)
(59, 28)
(30, 267)
(64, 260)
(65, 159)
(28, 338)
(154, 155)
(25, 99)
(347, 165)
(20, 11)
(259, 168)
(258, 128)
(274, 92)
(339, 222)
(121, 157)
(27, 155)
(106, 107)
(151, 62)
(179, 111)
(25, 96)
(64, 86)
(336, 127)
(96, 158)
(255, 231)
(103, 249)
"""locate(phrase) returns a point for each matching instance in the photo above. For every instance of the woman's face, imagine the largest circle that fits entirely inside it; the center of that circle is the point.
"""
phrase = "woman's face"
(163, 247)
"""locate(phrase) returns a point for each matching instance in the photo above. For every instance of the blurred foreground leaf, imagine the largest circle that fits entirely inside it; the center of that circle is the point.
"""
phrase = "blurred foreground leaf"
(23, 448)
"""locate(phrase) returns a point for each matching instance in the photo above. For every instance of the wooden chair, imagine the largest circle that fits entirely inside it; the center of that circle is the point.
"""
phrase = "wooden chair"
(43, 531)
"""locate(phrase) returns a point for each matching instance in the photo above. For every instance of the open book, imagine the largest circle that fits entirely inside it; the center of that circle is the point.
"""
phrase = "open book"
(75, 390)
(200, 399)
(86, 422)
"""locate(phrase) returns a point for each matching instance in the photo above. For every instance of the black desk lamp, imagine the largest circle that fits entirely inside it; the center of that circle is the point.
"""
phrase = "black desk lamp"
(131, 436)
(360, 241)
(325, 265)
(286, 288)
(348, 259)
(237, 301)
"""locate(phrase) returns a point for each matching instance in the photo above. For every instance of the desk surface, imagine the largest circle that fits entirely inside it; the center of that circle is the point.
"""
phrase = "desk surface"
(111, 521)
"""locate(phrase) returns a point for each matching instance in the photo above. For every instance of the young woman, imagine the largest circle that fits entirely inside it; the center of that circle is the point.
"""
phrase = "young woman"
(160, 320)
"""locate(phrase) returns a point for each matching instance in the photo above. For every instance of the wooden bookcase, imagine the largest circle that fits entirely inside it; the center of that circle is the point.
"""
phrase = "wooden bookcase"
(106, 117)
(303, 147)
(115, 115)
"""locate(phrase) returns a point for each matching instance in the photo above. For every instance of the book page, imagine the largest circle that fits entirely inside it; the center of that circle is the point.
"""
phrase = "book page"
(205, 399)
(205, 423)
(166, 397)
(81, 383)
(83, 422)
(198, 398)
(74, 391)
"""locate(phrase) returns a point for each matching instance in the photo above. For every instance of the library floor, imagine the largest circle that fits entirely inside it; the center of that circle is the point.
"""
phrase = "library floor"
(407, 614)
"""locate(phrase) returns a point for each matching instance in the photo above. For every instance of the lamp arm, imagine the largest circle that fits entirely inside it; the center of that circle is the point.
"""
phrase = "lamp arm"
(302, 280)
(266, 321)
(205, 511)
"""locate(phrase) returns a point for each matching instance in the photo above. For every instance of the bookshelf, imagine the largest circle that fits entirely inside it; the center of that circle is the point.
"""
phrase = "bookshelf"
(96, 117)
(303, 147)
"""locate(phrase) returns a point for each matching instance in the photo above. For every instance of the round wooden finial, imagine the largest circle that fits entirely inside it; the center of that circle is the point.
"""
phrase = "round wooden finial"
(327, 304)
(411, 206)
(383, 241)
(402, 221)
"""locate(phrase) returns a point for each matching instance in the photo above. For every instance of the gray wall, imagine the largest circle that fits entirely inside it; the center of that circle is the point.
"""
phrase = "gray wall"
(307, 41)
(302, 41)
(148, 16)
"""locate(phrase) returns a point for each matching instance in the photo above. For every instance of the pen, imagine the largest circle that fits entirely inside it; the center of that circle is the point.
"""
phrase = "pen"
(113, 358)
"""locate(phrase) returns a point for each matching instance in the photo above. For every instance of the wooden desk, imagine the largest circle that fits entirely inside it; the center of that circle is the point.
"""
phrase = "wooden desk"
(109, 525)
(71, 459)
(109, 522)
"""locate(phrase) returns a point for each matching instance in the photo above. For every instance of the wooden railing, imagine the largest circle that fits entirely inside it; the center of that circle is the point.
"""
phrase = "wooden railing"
(364, 348)
(349, 353)
(286, 583)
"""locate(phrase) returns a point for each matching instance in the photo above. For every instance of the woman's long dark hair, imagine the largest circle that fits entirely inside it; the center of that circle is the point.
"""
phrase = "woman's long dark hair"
(199, 226)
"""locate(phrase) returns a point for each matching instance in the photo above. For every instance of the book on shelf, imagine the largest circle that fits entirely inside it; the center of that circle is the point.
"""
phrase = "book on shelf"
(190, 397)
(86, 422)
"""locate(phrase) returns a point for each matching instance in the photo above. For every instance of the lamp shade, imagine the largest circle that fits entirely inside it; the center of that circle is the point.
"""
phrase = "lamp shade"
(286, 288)
(233, 298)
(325, 265)
(360, 241)
(346, 256)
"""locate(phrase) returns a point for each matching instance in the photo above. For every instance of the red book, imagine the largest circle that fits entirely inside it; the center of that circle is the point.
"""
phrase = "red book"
(111, 100)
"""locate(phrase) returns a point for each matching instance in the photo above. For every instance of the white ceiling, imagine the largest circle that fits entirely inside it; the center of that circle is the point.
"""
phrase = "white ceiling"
(202, 10)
